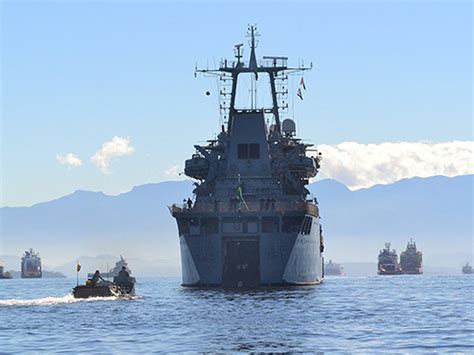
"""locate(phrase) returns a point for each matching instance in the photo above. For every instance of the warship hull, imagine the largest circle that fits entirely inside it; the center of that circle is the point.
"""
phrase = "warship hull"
(252, 260)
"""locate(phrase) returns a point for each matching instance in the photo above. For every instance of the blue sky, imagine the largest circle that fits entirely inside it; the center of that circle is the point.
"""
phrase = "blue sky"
(77, 73)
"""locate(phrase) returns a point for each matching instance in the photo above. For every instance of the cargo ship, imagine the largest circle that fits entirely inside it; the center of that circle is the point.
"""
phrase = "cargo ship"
(388, 262)
(31, 265)
(411, 259)
(333, 269)
(250, 222)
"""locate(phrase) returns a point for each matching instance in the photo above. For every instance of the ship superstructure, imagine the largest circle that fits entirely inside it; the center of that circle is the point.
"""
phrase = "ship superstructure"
(411, 259)
(251, 223)
(31, 265)
(388, 261)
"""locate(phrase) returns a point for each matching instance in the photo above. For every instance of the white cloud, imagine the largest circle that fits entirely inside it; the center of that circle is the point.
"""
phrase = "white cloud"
(173, 171)
(363, 165)
(117, 147)
(70, 159)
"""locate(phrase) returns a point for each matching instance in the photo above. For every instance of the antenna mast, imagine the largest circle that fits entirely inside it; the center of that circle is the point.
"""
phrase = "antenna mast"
(275, 66)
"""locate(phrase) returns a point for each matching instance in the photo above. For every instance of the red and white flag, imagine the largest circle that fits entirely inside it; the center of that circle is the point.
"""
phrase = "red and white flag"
(302, 83)
(299, 94)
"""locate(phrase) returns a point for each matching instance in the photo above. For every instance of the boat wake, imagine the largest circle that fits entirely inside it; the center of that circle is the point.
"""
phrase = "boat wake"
(49, 301)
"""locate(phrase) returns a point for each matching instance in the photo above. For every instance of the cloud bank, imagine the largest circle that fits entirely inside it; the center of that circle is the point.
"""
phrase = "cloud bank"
(70, 159)
(117, 147)
(363, 165)
(172, 172)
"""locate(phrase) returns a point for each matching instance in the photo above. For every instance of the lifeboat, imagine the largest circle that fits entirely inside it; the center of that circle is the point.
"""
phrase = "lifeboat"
(197, 167)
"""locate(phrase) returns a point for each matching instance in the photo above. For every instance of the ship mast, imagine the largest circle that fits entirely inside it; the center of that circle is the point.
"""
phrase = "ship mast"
(276, 68)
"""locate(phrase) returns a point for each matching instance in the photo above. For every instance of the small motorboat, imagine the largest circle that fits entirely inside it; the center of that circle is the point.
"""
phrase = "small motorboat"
(104, 289)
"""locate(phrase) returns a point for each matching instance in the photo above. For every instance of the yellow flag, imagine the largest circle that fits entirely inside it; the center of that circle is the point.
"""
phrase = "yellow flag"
(78, 266)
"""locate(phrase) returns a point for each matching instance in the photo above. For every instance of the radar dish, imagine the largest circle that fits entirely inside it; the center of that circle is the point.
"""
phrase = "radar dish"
(288, 126)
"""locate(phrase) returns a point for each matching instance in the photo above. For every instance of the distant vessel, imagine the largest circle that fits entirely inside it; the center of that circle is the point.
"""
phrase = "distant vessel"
(388, 261)
(3, 274)
(333, 269)
(251, 223)
(115, 270)
(411, 259)
(31, 265)
(467, 269)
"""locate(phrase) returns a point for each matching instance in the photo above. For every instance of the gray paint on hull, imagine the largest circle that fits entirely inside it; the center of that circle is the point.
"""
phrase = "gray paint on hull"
(305, 265)
(189, 271)
(279, 253)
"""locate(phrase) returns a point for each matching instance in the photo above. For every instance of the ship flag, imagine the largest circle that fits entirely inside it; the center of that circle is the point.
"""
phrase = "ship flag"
(299, 94)
(78, 266)
(240, 195)
(302, 84)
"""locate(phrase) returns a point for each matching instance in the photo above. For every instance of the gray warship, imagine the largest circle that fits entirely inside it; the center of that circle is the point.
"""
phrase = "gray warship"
(251, 223)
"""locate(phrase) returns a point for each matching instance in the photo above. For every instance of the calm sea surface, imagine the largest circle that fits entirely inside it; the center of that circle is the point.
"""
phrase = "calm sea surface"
(366, 314)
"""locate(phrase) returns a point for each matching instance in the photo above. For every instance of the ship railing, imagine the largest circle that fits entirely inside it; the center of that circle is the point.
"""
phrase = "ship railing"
(254, 206)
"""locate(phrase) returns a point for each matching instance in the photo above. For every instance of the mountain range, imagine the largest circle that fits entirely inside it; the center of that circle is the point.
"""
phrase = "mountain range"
(437, 212)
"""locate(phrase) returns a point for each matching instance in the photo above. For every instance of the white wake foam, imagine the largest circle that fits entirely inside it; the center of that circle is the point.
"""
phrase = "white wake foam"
(52, 301)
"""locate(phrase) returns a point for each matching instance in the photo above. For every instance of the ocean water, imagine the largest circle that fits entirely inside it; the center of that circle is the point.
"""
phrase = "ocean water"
(406, 313)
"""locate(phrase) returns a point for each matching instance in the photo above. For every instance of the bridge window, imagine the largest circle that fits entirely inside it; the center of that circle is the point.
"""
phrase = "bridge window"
(254, 151)
(248, 151)
(243, 151)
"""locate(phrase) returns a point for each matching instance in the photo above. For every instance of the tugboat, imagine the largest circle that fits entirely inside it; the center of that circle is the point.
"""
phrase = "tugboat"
(31, 265)
(411, 259)
(251, 223)
(467, 269)
(3, 274)
(333, 269)
(388, 262)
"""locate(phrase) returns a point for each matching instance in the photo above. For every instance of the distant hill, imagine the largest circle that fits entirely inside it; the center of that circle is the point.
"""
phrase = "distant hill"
(437, 212)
